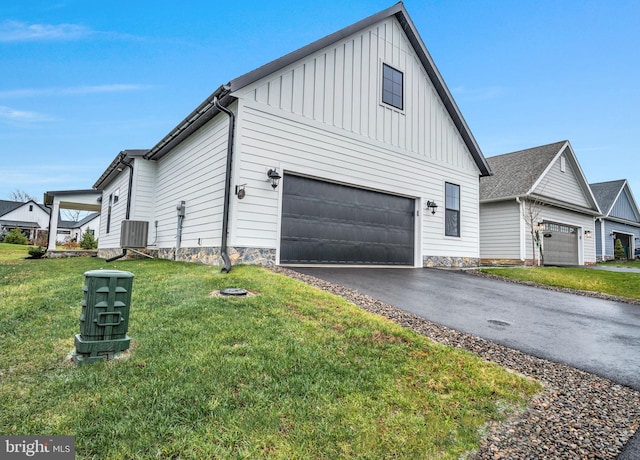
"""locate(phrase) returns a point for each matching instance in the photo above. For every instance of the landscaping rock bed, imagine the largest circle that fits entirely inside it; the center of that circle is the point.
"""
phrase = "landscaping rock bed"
(577, 416)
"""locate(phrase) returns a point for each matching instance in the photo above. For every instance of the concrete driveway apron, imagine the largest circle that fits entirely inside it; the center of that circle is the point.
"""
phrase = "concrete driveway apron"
(598, 336)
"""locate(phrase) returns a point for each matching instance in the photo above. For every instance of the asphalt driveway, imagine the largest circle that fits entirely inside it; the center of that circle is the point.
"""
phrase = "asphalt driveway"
(598, 336)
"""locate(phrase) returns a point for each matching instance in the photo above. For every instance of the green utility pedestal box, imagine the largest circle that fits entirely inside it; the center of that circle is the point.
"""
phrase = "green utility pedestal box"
(105, 315)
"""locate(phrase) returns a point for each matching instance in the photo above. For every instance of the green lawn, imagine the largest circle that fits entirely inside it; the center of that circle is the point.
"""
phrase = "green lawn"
(584, 279)
(292, 372)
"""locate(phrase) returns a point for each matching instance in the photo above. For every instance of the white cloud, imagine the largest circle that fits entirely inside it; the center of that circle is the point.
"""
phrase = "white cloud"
(9, 114)
(70, 91)
(16, 31)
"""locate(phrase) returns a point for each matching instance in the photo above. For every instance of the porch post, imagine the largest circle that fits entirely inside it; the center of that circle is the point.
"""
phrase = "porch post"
(53, 225)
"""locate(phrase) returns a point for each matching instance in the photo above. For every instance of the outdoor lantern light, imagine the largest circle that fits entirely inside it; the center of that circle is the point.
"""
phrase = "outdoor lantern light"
(274, 177)
(240, 191)
(433, 206)
(587, 233)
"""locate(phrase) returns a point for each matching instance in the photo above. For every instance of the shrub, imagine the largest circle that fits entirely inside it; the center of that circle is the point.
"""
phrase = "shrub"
(71, 245)
(3, 233)
(37, 252)
(88, 241)
(618, 250)
(15, 236)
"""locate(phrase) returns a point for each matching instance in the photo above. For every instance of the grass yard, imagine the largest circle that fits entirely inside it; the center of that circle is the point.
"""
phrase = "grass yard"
(584, 279)
(292, 372)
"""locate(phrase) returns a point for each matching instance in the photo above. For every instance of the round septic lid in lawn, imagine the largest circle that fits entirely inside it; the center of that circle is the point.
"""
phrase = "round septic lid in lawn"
(237, 292)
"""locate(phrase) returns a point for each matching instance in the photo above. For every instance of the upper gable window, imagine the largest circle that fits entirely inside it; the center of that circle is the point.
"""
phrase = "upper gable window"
(563, 164)
(392, 87)
(30, 208)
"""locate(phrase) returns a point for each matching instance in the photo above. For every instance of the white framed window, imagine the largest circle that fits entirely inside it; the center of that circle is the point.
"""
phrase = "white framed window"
(452, 210)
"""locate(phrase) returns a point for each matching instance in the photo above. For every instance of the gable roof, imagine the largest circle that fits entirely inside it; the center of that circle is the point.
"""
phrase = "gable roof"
(124, 156)
(8, 206)
(517, 174)
(608, 194)
(77, 224)
(207, 110)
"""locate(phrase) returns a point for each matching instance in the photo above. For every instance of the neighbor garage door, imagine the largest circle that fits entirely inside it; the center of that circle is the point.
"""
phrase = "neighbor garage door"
(327, 223)
(560, 244)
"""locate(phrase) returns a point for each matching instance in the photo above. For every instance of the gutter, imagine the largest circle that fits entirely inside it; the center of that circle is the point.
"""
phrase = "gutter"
(195, 120)
(122, 162)
(227, 186)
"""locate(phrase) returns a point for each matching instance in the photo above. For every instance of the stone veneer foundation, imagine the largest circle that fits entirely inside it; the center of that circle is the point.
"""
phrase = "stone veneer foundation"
(263, 256)
(450, 262)
(207, 256)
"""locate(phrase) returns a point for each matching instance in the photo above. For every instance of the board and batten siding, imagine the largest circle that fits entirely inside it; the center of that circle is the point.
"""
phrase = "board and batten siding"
(501, 225)
(563, 185)
(292, 143)
(622, 208)
(340, 86)
(194, 172)
(22, 214)
(611, 227)
(119, 185)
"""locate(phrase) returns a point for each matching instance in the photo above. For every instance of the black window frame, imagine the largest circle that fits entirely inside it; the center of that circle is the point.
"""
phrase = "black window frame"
(390, 87)
(109, 213)
(451, 210)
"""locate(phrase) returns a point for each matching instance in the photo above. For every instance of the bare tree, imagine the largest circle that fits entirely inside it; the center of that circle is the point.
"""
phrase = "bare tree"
(532, 212)
(21, 196)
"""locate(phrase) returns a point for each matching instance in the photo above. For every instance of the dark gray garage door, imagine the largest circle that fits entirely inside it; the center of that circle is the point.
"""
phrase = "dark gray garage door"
(560, 244)
(330, 223)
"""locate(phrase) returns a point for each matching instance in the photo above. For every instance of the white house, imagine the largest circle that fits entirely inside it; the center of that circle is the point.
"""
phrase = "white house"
(350, 150)
(537, 207)
(71, 230)
(620, 220)
(30, 217)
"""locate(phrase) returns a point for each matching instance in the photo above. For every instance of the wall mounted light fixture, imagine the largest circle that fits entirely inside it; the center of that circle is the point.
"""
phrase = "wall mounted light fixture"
(274, 177)
(240, 191)
(432, 206)
(587, 233)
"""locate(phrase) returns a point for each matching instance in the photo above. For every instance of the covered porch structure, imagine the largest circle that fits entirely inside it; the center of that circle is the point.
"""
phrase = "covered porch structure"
(83, 200)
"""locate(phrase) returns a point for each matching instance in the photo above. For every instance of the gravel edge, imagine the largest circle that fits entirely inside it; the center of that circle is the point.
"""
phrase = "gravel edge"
(577, 416)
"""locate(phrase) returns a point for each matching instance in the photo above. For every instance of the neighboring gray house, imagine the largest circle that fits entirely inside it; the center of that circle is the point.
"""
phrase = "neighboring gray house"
(538, 194)
(621, 218)
(30, 217)
(350, 150)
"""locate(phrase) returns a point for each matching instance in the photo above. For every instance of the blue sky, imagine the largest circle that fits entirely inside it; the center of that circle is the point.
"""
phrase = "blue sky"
(80, 81)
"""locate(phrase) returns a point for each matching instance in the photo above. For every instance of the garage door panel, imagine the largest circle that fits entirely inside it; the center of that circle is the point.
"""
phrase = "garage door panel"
(324, 222)
(560, 244)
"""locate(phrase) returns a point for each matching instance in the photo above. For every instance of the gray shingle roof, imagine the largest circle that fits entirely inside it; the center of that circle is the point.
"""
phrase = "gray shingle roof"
(606, 193)
(8, 206)
(515, 173)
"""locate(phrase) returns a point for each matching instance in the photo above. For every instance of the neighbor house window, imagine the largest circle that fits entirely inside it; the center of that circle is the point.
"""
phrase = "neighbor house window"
(392, 87)
(30, 207)
(452, 210)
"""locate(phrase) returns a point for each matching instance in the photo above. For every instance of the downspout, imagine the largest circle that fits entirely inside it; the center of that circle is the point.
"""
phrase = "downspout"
(227, 187)
(120, 161)
(523, 235)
